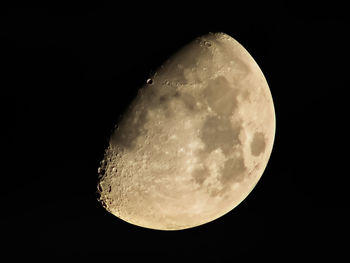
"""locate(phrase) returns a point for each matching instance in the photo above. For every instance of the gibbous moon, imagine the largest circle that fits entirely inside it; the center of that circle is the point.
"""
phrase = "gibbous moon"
(195, 140)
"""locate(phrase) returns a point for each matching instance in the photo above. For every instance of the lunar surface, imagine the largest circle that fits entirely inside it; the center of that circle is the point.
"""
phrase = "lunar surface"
(195, 140)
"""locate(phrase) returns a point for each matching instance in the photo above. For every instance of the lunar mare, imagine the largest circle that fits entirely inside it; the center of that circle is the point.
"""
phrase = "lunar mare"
(195, 140)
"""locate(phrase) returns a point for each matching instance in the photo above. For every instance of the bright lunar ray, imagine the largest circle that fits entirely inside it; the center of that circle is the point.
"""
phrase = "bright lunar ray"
(195, 140)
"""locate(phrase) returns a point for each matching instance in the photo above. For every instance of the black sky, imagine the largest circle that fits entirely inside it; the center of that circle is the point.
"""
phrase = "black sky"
(68, 73)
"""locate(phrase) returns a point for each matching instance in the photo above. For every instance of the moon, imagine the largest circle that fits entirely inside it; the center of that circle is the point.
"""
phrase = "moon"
(195, 140)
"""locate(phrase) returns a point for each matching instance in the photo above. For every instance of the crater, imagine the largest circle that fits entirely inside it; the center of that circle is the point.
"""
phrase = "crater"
(258, 144)
(221, 97)
(220, 133)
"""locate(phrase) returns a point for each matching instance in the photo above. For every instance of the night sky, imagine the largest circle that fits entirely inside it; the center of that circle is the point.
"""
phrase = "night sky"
(68, 73)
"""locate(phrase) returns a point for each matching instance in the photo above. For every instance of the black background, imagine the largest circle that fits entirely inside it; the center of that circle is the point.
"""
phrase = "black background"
(68, 73)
